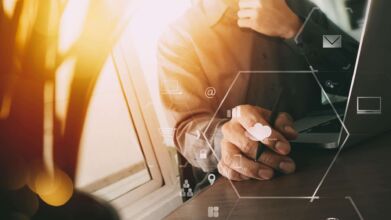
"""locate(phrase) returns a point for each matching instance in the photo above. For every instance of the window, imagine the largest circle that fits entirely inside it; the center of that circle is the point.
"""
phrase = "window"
(116, 154)
(123, 156)
(110, 151)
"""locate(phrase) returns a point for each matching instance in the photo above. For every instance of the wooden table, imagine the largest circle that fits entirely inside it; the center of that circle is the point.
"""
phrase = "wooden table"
(357, 186)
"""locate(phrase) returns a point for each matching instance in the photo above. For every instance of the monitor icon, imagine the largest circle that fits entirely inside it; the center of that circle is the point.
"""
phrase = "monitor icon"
(369, 105)
(171, 87)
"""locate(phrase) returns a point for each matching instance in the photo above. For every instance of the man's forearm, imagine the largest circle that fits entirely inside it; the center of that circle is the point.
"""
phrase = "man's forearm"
(201, 151)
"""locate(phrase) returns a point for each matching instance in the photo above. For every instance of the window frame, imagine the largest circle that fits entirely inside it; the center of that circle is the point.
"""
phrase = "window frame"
(159, 196)
(146, 125)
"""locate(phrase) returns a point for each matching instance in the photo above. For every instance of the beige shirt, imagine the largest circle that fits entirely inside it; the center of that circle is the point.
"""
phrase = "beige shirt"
(204, 51)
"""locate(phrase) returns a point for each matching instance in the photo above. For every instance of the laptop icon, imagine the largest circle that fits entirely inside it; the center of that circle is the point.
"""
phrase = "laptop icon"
(369, 105)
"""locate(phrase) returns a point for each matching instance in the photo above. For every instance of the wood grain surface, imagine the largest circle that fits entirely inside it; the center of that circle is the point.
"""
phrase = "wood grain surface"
(358, 186)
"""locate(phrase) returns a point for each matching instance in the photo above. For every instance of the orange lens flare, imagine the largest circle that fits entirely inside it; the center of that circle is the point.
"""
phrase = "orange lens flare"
(54, 188)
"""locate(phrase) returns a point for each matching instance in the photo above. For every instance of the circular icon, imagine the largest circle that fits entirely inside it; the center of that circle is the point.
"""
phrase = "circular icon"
(210, 92)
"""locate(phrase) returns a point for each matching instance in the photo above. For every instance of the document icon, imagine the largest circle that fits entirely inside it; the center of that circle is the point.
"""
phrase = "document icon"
(332, 41)
(203, 154)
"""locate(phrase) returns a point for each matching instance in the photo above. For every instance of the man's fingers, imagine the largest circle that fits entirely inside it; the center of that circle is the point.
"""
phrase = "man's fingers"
(250, 116)
(235, 133)
(230, 173)
(284, 124)
(278, 162)
(278, 143)
(233, 158)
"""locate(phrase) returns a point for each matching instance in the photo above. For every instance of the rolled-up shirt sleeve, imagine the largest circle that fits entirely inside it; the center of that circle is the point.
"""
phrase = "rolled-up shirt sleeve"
(197, 132)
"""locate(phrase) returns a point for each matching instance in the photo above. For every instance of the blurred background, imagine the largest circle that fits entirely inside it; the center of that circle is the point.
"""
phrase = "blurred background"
(80, 109)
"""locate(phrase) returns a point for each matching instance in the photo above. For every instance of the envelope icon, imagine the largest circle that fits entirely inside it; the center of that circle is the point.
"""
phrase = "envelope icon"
(332, 41)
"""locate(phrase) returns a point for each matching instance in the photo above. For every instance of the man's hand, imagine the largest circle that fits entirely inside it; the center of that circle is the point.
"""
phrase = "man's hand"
(238, 150)
(269, 17)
